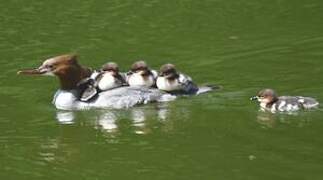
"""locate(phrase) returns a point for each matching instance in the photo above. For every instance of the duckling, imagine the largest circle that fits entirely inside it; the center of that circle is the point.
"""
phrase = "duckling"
(141, 75)
(270, 101)
(106, 78)
(172, 81)
(110, 77)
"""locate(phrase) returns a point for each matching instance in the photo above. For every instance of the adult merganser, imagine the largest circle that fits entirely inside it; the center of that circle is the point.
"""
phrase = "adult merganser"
(141, 75)
(70, 73)
(270, 101)
(171, 81)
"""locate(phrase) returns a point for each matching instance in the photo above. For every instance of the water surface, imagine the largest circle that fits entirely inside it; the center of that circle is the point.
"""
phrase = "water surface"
(242, 45)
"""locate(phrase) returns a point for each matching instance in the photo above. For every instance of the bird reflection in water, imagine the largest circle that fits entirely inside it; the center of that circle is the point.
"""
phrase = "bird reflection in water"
(163, 112)
(273, 120)
(143, 119)
(65, 117)
(66, 146)
(107, 121)
(266, 119)
(139, 120)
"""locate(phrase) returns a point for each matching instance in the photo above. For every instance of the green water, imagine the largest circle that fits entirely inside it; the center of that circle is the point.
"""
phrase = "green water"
(243, 45)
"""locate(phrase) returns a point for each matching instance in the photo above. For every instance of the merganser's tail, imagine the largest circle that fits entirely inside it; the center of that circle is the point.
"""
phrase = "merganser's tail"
(207, 88)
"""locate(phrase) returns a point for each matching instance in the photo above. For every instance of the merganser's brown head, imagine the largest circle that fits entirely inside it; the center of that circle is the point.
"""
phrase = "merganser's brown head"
(140, 67)
(65, 67)
(168, 71)
(111, 67)
(266, 96)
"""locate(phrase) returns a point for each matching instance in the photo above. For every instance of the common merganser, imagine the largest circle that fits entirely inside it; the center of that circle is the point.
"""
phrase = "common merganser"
(270, 101)
(141, 75)
(70, 73)
(172, 81)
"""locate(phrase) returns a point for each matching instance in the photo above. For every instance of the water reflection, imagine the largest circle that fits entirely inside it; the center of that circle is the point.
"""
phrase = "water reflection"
(107, 121)
(65, 117)
(272, 120)
(139, 118)
(142, 119)
(266, 119)
(163, 112)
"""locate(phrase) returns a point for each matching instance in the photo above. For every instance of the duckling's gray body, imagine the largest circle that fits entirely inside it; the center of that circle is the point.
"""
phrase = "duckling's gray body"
(293, 103)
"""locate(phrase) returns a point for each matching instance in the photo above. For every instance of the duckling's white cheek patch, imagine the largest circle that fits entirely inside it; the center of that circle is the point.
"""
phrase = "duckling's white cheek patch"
(263, 100)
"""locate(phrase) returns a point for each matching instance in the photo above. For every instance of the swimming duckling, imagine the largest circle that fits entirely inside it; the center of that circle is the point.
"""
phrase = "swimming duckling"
(270, 101)
(172, 81)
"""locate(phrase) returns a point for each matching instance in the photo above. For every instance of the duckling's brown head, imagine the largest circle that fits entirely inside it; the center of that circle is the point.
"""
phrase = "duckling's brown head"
(111, 67)
(168, 71)
(266, 96)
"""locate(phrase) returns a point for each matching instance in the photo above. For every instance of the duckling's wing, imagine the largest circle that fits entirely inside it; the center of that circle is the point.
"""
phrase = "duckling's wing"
(187, 84)
(121, 78)
(307, 102)
(88, 93)
(154, 73)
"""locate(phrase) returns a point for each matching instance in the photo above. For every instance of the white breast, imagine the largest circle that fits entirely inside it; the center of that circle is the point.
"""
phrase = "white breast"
(136, 79)
(107, 81)
(166, 85)
(67, 100)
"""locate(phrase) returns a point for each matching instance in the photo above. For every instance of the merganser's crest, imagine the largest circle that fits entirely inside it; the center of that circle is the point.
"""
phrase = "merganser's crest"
(270, 101)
